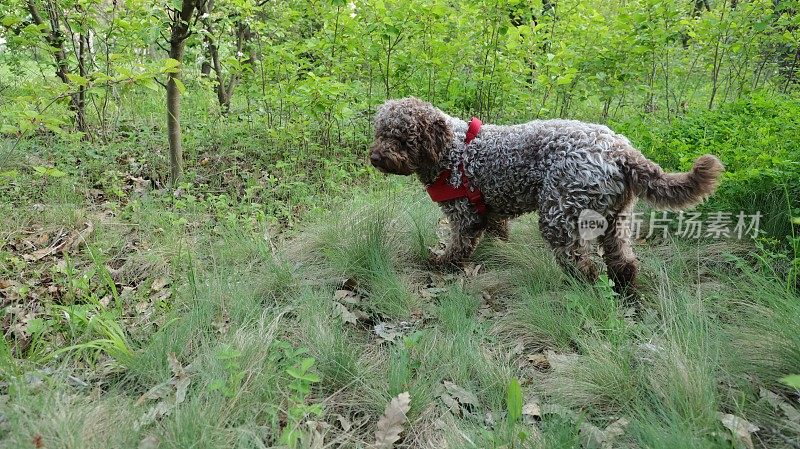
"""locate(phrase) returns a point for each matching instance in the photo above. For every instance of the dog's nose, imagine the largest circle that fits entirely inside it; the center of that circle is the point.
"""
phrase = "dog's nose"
(374, 157)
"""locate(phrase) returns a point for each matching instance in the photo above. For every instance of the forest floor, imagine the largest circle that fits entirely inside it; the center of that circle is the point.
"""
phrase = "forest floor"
(149, 322)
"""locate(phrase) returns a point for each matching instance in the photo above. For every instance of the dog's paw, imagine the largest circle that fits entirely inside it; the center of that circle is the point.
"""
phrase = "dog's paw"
(442, 263)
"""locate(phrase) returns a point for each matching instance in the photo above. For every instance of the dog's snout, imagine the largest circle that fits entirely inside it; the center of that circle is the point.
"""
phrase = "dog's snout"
(375, 157)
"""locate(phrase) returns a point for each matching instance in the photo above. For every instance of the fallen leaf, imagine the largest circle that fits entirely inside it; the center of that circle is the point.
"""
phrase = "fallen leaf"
(740, 429)
(532, 410)
(346, 315)
(539, 361)
(390, 425)
(594, 438)
(347, 296)
(779, 403)
(223, 323)
(451, 404)
(431, 292)
(343, 422)
(140, 185)
(349, 284)
(315, 436)
(591, 436)
(142, 307)
(472, 270)
(463, 396)
(387, 332)
(616, 428)
(169, 394)
(557, 361)
(62, 243)
(159, 283)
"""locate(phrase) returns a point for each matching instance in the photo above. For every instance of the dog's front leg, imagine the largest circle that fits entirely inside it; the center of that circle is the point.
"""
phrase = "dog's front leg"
(465, 232)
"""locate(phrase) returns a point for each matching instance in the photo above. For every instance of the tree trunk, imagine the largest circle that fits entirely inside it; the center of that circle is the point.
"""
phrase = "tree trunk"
(55, 39)
(80, 101)
(224, 93)
(180, 31)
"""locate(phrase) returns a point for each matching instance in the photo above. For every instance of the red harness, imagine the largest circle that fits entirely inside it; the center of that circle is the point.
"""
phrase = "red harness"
(441, 190)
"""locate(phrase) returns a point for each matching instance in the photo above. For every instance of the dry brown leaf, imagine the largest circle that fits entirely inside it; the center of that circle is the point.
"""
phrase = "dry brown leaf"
(556, 360)
(431, 292)
(169, 394)
(141, 307)
(616, 429)
(349, 284)
(347, 296)
(779, 403)
(539, 361)
(159, 283)
(62, 243)
(314, 438)
(387, 332)
(532, 410)
(594, 438)
(740, 429)
(591, 436)
(451, 403)
(346, 315)
(472, 270)
(390, 425)
(463, 396)
(343, 422)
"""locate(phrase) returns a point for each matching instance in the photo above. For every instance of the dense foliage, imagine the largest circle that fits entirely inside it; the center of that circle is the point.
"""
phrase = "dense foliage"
(311, 71)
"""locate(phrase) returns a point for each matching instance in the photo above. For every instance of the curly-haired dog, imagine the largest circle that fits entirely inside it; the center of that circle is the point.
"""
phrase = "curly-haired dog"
(559, 168)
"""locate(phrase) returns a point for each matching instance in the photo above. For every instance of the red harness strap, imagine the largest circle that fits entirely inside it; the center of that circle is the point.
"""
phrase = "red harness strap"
(441, 190)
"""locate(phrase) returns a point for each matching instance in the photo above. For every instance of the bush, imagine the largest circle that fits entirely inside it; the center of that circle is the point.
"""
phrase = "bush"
(757, 140)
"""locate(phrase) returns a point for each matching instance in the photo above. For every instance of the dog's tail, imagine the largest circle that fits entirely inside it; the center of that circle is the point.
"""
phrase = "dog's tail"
(673, 190)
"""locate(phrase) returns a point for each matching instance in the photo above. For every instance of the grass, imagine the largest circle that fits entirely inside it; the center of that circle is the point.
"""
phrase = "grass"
(231, 281)
(245, 307)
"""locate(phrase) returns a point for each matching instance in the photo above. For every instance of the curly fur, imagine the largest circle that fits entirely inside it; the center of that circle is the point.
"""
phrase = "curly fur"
(557, 168)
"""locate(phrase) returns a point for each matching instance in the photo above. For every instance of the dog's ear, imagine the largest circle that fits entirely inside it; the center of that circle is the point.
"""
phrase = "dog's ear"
(431, 134)
(438, 136)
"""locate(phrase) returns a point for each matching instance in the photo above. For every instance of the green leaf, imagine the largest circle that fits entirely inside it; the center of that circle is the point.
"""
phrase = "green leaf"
(514, 401)
(792, 381)
(149, 83)
(179, 84)
(77, 79)
(306, 363)
(10, 21)
(47, 171)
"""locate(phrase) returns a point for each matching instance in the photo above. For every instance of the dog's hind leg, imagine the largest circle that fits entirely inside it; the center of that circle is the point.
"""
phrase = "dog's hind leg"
(619, 257)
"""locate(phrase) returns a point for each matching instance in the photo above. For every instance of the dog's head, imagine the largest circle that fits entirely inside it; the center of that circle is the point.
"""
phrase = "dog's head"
(410, 135)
